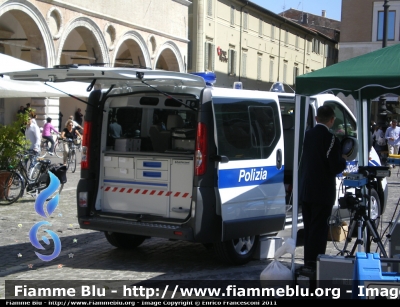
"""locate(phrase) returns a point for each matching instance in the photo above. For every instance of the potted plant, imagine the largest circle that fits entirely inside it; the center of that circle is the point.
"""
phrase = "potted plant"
(12, 142)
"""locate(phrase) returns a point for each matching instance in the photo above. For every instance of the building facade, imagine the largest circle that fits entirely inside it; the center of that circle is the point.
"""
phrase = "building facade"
(237, 39)
(362, 29)
(133, 33)
(362, 32)
(241, 41)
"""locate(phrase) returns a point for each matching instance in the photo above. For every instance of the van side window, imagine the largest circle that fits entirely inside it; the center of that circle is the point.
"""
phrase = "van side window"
(262, 126)
(344, 125)
(246, 129)
(351, 126)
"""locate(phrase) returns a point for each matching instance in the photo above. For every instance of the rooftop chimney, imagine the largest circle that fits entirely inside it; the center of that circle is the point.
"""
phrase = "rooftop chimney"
(323, 13)
(305, 18)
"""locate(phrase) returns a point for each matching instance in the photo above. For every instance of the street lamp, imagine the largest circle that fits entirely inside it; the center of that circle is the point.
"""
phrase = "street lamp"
(383, 112)
(385, 22)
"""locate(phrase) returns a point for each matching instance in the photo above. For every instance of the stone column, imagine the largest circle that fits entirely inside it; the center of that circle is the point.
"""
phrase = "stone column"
(46, 107)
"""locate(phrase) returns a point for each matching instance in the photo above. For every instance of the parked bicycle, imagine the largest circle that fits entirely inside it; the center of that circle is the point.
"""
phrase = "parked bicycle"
(45, 147)
(14, 181)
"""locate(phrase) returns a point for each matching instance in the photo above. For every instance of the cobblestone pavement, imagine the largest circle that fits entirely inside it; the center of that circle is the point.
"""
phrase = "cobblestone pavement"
(86, 255)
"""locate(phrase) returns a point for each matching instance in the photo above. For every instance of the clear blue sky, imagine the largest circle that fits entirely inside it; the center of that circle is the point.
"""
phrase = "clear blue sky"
(332, 7)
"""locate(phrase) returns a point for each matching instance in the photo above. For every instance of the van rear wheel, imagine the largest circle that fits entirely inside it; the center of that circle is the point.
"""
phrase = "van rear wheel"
(237, 251)
(124, 240)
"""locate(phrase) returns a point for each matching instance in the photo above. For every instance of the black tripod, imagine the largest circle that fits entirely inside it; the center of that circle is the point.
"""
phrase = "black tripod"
(362, 220)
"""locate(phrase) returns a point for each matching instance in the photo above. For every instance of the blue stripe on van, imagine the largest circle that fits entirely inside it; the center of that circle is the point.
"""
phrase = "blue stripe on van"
(249, 176)
(136, 183)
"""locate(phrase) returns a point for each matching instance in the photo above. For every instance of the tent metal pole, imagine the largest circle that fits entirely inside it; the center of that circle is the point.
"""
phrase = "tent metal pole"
(301, 114)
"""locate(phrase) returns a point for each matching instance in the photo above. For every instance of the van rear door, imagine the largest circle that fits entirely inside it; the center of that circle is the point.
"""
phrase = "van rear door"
(250, 174)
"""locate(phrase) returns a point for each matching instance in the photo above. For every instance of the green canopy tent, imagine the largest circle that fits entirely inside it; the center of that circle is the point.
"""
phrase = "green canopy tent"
(364, 77)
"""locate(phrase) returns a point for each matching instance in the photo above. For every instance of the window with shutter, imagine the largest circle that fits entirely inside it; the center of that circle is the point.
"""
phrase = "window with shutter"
(244, 64)
(259, 65)
(232, 62)
(245, 20)
(295, 73)
(189, 60)
(271, 70)
(260, 27)
(285, 72)
(272, 32)
(209, 7)
(232, 15)
(206, 56)
(209, 56)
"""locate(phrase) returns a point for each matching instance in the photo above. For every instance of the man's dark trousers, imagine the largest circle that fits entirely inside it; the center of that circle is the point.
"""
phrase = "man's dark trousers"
(315, 236)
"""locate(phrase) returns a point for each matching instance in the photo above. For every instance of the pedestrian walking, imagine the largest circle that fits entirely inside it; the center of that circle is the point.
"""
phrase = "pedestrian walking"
(32, 133)
(392, 136)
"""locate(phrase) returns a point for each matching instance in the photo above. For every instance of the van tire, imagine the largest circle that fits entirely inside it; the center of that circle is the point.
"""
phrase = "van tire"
(124, 240)
(376, 211)
(237, 251)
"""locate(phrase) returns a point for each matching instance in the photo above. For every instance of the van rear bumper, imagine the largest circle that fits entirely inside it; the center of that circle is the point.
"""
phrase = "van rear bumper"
(148, 229)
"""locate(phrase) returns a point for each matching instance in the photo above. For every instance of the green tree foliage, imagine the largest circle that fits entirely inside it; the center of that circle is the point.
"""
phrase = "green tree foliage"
(12, 141)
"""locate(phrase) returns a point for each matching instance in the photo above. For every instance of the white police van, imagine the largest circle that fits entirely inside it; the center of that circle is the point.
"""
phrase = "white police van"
(193, 162)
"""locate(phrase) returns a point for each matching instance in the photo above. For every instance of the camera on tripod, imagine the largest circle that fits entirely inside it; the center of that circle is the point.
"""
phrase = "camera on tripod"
(351, 201)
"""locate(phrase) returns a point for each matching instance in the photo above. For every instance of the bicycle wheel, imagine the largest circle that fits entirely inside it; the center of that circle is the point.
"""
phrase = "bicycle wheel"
(73, 161)
(59, 149)
(68, 160)
(58, 192)
(34, 172)
(11, 187)
(44, 148)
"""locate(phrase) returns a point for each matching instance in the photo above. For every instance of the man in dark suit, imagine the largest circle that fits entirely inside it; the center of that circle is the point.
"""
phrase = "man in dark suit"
(322, 160)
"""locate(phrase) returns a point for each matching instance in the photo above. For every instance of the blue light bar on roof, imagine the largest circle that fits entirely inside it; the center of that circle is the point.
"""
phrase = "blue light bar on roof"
(208, 76)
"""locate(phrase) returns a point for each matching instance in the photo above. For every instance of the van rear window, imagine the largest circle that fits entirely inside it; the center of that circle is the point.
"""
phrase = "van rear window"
(129, 121)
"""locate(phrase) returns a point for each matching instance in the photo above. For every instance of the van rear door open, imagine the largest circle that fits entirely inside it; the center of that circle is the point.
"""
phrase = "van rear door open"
(250, 174)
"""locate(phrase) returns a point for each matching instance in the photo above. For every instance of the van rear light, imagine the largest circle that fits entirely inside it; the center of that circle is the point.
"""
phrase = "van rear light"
(87, 131)
(83, 199)
(201, 150)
